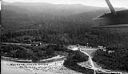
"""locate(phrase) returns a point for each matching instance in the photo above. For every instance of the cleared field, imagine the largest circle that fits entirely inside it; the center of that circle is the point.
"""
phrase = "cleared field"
(9, 67)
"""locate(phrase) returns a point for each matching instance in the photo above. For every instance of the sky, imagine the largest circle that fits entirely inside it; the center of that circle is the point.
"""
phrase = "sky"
(98, 3)
(0, 5)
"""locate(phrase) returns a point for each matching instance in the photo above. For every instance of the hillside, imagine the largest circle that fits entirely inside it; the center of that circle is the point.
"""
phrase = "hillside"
(17, 16)
(58, 26)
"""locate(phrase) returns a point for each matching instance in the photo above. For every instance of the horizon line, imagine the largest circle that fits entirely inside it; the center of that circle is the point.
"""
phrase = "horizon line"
(62, 4)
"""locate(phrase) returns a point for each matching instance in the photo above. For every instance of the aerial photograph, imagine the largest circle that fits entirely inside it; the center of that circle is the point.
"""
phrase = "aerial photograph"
(64, 36)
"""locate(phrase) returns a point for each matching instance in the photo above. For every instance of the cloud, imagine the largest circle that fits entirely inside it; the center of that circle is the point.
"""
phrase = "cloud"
(101, 3)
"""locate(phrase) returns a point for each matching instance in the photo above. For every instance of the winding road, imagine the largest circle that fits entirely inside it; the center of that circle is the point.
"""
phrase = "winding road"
(89, 52)
(86, 50)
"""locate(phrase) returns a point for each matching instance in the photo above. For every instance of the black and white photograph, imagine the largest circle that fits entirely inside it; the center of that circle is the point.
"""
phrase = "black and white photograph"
(64, 36)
